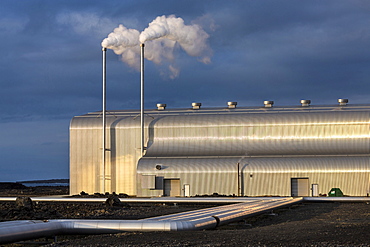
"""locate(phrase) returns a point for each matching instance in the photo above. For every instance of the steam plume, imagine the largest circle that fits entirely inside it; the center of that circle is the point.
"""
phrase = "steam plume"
(121, 37)
(162, 37)
(192, 38)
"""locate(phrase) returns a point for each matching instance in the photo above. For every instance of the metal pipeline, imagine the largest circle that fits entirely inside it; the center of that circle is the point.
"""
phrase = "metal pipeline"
(208, 218)
(13, 231)
(211, 200)
(231, 213)
(337, 199)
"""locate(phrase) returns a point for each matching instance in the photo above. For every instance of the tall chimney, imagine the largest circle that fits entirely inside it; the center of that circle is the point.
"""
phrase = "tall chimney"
(104, 116)
(142, 98)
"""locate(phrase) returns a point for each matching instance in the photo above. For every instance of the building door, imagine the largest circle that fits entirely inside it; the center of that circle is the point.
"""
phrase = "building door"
(315, 190)
(171, 187)
(186, 190)
(300, 187)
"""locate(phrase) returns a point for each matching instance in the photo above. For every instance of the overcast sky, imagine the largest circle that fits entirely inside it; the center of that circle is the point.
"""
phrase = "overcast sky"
(50, 65)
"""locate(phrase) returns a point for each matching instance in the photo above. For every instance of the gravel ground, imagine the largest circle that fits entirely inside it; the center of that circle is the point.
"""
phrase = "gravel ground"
(309, 224)
(304, 224)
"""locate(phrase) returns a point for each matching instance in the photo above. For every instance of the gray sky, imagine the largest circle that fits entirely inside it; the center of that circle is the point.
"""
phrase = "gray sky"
(261, 50)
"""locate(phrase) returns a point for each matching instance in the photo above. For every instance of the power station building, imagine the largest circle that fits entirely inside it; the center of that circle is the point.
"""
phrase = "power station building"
(251, 151)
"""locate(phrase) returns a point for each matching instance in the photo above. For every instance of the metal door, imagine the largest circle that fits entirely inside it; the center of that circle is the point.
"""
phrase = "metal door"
(300, 187)
(315, 190)
(186, 190)
(171, 187)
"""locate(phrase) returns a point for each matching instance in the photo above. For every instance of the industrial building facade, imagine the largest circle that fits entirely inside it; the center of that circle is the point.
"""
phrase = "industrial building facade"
(249, 151)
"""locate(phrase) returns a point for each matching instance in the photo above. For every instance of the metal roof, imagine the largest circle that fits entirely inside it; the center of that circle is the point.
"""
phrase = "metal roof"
(226, 110)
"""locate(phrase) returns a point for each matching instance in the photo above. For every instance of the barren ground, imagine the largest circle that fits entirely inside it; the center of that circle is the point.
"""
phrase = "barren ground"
(304, 224)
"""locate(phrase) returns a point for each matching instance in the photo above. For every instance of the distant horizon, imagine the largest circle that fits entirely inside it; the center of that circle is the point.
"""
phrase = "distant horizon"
(53, 180)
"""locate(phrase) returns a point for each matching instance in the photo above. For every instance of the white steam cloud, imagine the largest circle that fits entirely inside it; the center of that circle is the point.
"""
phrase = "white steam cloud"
(162, 37)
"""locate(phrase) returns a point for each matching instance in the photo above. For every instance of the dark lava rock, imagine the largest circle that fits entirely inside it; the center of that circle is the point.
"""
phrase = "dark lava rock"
(113, 201)
(123, 195)
(24, 203)
(11, 186)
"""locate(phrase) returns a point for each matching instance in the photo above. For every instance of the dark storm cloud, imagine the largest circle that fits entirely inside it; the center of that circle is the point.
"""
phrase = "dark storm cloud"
(50, 64)
(305, 51)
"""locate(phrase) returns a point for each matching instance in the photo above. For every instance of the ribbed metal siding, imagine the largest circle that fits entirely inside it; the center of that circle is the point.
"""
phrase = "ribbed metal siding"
(125, 152)
(240, 132)
(123, 144)
(261, 176)
(261, 134)
(204, 175)
(85, 155)
(350, 173)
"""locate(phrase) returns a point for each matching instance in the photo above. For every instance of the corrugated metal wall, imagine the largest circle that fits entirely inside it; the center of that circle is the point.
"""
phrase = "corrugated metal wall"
(204, 175)
(213, 141)
(260, 176)
(282, 133)
(298, 133)
(85, 155)
(350, 173)
(123, 152)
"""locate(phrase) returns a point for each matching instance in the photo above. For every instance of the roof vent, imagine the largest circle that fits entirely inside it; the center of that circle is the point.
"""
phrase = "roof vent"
(161, 107)
(343, 101)
(232, 104)
(196, 106)
(268, 103)
(305, 102)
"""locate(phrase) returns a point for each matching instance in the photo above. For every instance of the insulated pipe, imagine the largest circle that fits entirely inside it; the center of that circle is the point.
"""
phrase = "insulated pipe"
(104, 116)
(239, 213)
(12, 231)
(142, 99)
(230, 213)
(211, 200)
(23, 230)
(194, 220)
(337, 199)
